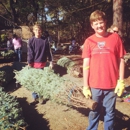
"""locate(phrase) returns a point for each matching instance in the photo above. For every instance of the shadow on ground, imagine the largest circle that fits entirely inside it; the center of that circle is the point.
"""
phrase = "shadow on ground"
(122, 121)
(60, 70)
(34, 120)
(18, 65)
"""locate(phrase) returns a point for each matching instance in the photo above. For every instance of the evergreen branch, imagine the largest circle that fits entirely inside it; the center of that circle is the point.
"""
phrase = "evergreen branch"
(49, 85)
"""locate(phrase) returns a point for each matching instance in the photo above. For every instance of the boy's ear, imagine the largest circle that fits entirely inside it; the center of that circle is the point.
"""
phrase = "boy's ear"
(91, 25)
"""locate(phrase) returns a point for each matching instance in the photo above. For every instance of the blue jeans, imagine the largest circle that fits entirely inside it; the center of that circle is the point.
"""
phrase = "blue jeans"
(18, 54)
(106, 99)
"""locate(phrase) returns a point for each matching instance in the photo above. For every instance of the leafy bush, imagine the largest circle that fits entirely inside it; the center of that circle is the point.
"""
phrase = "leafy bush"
(65, 62)
(3, 37)
(51, 86)
(44, 82)
(72, 68)
(10, 113)
(6, 75)
(8, 54)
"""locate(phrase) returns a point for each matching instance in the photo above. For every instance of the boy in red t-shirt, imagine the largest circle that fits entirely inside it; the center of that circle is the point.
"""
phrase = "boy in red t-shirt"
(103, 70)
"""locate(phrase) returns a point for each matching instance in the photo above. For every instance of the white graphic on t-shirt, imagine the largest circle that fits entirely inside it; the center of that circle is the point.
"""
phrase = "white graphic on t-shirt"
(101, 48)
(101, 44)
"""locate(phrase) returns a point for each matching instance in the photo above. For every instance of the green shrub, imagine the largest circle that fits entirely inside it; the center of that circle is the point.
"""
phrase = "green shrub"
(6, 75)
(44, 82)
(51, 86)
(3, 37)
(72, 68)
(11, 117)
(8, 54)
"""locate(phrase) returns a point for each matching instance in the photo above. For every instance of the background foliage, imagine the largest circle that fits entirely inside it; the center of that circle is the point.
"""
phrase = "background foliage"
(67, 19)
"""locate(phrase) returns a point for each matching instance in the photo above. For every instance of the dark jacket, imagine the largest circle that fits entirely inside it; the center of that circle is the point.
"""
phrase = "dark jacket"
(38, 50)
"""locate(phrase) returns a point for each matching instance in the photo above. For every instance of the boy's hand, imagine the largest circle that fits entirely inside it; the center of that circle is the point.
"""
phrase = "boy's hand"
(87, 93)
(29, 66)
(120, 87)
(51, 65)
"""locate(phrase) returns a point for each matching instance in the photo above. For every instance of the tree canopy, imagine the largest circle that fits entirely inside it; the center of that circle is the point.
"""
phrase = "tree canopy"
(68, 18)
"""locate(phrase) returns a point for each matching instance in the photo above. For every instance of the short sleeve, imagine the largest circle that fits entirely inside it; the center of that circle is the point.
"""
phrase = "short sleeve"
(86, 53)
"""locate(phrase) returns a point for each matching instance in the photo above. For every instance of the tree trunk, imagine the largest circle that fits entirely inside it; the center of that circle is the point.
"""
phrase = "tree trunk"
(14, 12)
(117, 14)
(36, 8)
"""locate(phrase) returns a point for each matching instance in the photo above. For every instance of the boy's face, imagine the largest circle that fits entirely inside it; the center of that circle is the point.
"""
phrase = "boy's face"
(99, 27)
(37, 32)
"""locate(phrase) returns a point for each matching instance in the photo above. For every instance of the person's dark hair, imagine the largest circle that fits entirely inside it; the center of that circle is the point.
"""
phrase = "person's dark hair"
(15, 36)
(73, 38)
(46, 33)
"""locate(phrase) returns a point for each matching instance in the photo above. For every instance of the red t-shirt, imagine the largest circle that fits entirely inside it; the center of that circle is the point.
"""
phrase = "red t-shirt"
(104, 54)
(38, 65)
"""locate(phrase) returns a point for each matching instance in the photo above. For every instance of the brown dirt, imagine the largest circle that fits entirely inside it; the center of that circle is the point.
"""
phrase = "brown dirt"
(53, 116)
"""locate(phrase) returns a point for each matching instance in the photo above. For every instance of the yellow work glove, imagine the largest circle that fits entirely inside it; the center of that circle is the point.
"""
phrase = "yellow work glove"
(120, 87)
(87, 93)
